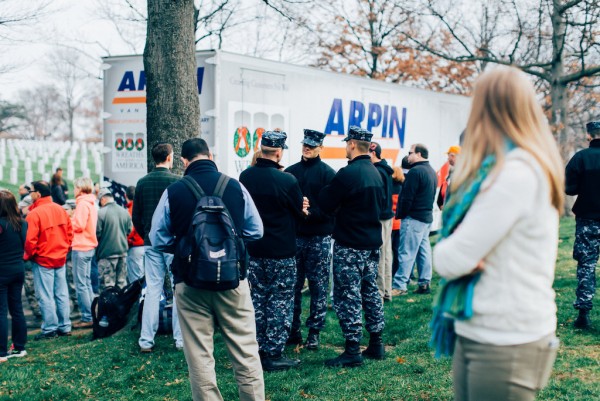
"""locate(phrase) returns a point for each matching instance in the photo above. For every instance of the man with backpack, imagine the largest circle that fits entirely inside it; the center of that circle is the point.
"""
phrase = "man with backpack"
(206, 235)
(272, 259)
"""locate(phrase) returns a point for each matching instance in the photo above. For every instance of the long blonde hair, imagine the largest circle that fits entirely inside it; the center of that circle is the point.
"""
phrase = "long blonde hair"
(504, 106)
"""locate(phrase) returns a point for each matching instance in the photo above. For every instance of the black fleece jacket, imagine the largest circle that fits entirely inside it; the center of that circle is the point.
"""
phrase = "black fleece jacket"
(583, 179)
(386, 176)
(418, 193)
(313, 175)
(356, 193)
(278, 198)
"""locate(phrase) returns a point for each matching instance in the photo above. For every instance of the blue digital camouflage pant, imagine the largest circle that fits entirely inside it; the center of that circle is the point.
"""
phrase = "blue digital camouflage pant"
(355, 288)
(586, 251)
(272, 289)
(313, 258)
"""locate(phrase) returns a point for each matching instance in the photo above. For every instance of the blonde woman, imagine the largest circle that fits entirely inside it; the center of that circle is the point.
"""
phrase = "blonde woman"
(84, 220)
(501, 227)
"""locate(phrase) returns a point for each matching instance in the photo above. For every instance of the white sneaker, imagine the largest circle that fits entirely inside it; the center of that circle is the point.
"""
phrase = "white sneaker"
(16, 354)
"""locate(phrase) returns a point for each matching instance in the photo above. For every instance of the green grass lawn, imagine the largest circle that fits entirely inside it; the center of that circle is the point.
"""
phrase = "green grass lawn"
(112, 369)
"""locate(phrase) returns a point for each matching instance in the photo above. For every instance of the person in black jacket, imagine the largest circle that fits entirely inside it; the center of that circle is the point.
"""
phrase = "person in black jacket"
(13, 230)
(313, 241)
(201, 311)
(272, 266)
(583, 179)
(384, 274)
(356, 195)
(415, 209)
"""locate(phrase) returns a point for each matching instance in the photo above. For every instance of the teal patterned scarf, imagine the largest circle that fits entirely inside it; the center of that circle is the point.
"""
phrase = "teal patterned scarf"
(454, 299)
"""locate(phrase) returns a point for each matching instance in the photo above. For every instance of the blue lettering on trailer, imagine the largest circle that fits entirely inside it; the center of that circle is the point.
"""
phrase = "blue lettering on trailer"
(128, 81)
(385, 118)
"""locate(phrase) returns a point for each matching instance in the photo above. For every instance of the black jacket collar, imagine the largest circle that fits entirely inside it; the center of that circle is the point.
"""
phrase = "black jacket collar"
(310, 162)
(266, 163)
(201, 166)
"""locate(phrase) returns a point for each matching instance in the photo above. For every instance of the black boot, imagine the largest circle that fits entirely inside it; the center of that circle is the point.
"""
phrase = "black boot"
(276, 363)
(375, 350)
(312, 341)
(349, 358)
(583, 320)
(295, 338)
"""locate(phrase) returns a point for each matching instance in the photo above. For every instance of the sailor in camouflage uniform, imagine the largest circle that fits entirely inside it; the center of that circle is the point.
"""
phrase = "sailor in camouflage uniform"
(272, 267)
(313, 242)
(583, 180)
(357, 194)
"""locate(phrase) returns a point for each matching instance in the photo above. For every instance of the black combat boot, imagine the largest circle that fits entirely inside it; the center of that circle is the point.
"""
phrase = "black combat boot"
(349, 358)
(295, 338)
(312, 341)
(583, 320)
(375, 350)
(278, 362)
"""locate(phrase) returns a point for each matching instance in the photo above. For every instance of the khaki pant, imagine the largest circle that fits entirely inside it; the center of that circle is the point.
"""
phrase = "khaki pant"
(384, 273)
(500, 373)
(199, 312)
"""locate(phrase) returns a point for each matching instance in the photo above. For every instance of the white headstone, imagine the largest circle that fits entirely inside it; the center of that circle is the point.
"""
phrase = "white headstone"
(46, 177)
(13, 176)
(28, 175)
(41, 167)
(85, 173)
(27, 163)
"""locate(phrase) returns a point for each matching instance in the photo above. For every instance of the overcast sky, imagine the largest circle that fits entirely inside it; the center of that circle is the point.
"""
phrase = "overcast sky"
(67, 23)
(79, 24)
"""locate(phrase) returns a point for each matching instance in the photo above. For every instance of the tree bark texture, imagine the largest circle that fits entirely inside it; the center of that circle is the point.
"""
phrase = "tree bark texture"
(173, 109)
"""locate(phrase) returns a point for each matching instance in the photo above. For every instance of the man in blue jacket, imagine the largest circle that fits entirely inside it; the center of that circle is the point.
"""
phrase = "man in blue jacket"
(201, 311)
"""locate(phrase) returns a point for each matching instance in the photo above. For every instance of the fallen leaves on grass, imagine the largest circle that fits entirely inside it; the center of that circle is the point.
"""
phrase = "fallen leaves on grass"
(175, 382)
(399, 359)
(306, 395)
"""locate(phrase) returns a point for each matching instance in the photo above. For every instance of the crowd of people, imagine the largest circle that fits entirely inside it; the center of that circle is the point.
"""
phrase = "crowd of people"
(366, 226)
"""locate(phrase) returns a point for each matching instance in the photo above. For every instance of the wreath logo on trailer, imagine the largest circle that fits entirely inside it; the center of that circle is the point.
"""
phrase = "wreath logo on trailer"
(241, 141)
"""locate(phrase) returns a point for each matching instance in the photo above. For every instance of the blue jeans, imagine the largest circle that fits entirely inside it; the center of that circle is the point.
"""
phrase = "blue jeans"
(414, 247)
(82, 266)
(135, 263)
(95, 276)
(157, 264)
(53, 295)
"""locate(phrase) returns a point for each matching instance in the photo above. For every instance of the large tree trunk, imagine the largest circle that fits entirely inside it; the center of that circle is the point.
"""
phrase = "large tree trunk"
(173, 110)
(558, 89)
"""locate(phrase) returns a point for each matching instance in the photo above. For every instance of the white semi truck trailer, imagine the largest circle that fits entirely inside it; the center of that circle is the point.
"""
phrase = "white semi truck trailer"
(241, 97)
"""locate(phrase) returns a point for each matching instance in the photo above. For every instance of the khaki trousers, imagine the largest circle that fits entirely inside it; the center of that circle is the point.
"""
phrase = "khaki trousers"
(384, 273)
(500, 373)
(199, 312)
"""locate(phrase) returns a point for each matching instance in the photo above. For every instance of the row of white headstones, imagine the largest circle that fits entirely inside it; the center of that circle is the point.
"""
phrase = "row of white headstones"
(47, 157)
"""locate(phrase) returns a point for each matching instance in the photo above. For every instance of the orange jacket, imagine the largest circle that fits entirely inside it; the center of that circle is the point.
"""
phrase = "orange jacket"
(442, 176)
(395, 222)
(133, 239)
(49, 234)
(84, 222)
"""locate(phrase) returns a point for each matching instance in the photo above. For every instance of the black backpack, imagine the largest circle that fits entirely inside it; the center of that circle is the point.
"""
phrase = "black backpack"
(211, 256)
(110, 310)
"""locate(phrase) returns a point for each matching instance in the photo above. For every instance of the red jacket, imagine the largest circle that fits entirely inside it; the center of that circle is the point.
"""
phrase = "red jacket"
(49, 234)
(133, 239)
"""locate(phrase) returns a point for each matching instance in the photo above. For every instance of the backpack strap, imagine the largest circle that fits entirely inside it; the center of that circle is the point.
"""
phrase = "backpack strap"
(220, 187)
(194, 187)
